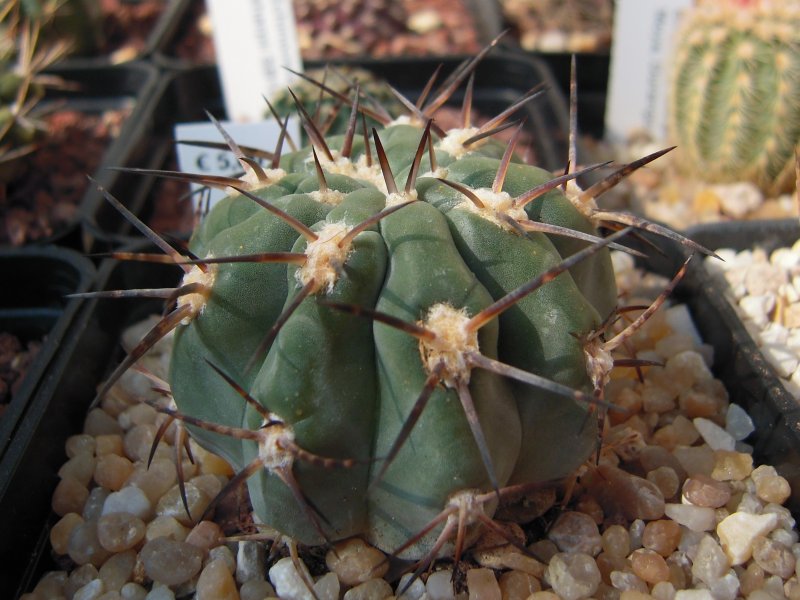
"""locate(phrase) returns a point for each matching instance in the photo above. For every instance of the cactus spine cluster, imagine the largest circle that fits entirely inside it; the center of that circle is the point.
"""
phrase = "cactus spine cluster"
(734, 112)
(388, 333)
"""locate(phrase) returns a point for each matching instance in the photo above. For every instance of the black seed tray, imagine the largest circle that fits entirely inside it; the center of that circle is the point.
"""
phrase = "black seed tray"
(501, 78)
(33, 307)
(94, 90)
(28, 469)
(183, 16)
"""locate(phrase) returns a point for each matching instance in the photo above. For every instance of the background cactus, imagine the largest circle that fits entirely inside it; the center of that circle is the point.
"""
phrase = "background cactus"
(23, 57)
(328, 110)
(736, 79)
(393, 331)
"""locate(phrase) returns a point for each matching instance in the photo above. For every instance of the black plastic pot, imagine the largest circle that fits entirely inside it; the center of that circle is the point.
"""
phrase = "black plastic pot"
(93, 91)
(34, 307)
(33, 427)
(87, 349)
(501, 78)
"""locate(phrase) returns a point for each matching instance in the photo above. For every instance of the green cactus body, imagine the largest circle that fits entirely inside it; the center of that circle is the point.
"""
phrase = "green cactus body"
(733, 105)
(335, 386)
(441, 444)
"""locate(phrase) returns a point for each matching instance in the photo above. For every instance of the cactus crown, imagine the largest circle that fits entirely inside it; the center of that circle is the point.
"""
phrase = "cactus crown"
(733, 99)
(396, 362)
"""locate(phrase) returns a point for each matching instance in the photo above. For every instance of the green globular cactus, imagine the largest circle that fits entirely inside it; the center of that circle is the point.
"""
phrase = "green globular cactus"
(385, 333)
(733, 103)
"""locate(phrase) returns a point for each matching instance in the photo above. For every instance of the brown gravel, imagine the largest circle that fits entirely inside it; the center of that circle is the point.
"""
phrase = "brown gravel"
(15, 358)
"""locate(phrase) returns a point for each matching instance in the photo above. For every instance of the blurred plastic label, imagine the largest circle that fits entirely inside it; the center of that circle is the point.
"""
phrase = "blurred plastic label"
(211, 161)
(254, 40)
(644, 33)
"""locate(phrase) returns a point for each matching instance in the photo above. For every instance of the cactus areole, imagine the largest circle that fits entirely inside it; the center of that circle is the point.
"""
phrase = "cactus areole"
(385, 331)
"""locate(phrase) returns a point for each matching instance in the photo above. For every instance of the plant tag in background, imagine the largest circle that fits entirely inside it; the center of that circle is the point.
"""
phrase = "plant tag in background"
(644, 33)
(209, 161)
(255, 40)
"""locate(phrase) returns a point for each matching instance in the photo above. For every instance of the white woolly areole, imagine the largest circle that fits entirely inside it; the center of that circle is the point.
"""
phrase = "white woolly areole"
(467, 506)
(400, 197)
(452, 342)
(197, 300)
(453, 142)
(359, 169)
(273, 447)
(586, 206)
(251, 182)
(440, 173)
(324, 257)
(599, 363)
(495, 204)
(330, 197)
(401, 120)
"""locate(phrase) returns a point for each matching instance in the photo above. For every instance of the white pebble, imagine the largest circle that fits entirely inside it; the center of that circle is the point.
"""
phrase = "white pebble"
(774, 333)
(129, 500)
(573, 575)
(792, 385)
(793, 341)
(693, 595)
(782, 358)
(738, 531)
(440, 585)
(694, 518)
(327, 587)
(680, 320)
(726, 587)
(92, 590)
(415, 591)
(785, 258)
(738, 423)
(790, 293)
(738, 199)
(714, 435)
(288, 582)
(710, 562)
(133, 591)
(160, 592)
(758, 308)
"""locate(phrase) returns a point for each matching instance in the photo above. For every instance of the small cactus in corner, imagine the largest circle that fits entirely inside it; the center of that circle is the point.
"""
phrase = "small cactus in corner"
(733, 105)
(391, 330)
(23, 58)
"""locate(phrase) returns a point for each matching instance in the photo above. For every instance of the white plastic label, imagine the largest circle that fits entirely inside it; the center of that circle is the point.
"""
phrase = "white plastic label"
(644, 33)
(254, 41)
(210, 161)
